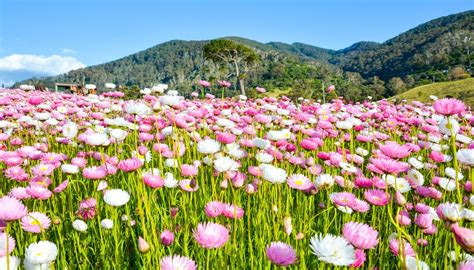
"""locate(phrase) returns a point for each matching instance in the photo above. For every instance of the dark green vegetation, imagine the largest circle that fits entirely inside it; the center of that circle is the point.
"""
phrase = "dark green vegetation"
(425, 54)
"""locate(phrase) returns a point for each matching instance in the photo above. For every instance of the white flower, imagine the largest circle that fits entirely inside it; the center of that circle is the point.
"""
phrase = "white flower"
(170, 100)
(14, 263)
(450, 172)
(208, 146)
(273, 174)
(412, 263)
(451, 211)
(344, 125)
(332, 249)
(145, 91)
(98, 139)
(233, 149)
(42, 252)
(278, 135)
(433, 97)
(347, 167)
(116, 197)
(69, 168)
(70, 130)
(138, 108)
(471, 200)
(399, 184)
(361, 151)
(110, 85)
(107, 223)
(225, 123)
(160, 88)
(79, 225)
(466, 156)
(416, 177)
(324, 180)
(118, 134)
(415, 163)
(261, 143)
(264, 157)
(468, 214)
(463, 139)
(167, 131)
(224, 164)
(444, 126)
(170, 181)
(171, 162)
(447, 184)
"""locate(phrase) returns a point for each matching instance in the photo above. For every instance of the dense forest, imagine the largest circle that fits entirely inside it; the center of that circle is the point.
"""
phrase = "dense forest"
(438, 50)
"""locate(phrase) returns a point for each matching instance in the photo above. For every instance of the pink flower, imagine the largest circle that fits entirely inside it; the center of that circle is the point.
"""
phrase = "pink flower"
(343, 198)
(390, 166)
(281, 254)
(131, 164)
(360, 258)
(225, 84)
(330, 88)
(16, 173)
(260, 89)
(94, 172)
(188, 185)
(153, 180)
(35, 100)
(61, 187)
(395, 247)
(173, 262)
(35, 222)
(38, 192)
(42, 169)
(225, 138)
(464, 237)
(3, 244)
(167, 237)
(376, 197)
(309, 144)
(232, 211)
(87, 208)
(360, 235)
(211, 235)
(214, 209)
(424, 221)
(12, 209)
(449, 106)
(394, 150)
(299, 181)
(188, 170)
(204, 83)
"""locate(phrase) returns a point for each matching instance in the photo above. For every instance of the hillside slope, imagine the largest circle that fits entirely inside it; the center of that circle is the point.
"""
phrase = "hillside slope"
(462, 89)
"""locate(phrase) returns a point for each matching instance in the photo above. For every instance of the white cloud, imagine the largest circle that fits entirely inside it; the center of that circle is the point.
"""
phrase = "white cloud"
(68, 51)
(49, 65)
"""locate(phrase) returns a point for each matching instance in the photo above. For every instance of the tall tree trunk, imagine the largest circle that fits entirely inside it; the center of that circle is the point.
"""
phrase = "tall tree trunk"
(241, 81)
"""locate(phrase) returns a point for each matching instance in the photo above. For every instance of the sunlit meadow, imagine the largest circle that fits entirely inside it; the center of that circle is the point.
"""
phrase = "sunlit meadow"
(167, 182)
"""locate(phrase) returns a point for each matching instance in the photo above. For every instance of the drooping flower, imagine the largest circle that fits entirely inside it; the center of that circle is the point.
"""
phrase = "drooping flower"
(211, 235)
(281, 254)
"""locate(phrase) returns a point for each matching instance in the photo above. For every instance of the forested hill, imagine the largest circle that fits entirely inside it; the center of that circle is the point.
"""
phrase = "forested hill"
(425, 53)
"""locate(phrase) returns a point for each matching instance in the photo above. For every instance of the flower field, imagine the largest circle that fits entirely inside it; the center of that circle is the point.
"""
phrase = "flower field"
(97, 182)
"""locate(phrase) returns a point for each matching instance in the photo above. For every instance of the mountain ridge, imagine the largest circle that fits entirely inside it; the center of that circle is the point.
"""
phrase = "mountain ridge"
(419, 54)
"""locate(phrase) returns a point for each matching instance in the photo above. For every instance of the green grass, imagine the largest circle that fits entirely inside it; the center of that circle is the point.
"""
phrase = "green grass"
(462, 89)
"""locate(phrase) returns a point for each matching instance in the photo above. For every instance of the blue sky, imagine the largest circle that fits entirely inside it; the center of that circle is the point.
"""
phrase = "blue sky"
(88, 32)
